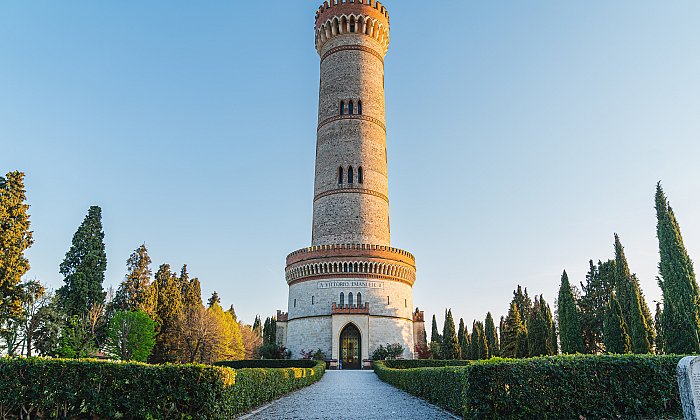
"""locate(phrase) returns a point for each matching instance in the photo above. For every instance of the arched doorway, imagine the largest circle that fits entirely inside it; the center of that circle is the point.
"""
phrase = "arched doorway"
(350, 347)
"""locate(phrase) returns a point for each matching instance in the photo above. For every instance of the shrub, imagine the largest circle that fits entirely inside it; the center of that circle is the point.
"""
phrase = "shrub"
(390, 352)
(628, 386)
(313, 355)
(39, 388)
(419, 363)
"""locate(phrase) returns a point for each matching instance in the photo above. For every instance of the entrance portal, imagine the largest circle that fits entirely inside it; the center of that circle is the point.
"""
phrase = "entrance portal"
(350, 346)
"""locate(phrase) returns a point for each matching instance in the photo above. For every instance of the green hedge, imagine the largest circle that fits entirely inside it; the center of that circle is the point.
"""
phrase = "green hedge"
(39, 388)
(420, 363)
(266, 363)
(561, 387)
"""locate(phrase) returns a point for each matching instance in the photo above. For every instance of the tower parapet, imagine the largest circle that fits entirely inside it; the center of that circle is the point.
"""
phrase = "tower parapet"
(341, 17)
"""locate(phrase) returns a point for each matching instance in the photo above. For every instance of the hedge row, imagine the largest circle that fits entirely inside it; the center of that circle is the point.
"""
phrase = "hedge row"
(40, 388)
(421, 363)
(267, 363)
(561, 387)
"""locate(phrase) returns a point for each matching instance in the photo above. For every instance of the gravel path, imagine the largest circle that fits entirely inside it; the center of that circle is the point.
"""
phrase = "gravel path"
(349, 394)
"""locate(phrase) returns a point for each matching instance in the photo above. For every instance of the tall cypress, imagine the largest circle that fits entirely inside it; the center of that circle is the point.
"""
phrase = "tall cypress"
(491, 336)
(617, 340)
(514, 334)
(567, 314)
(462, 338)
(631, 301)
(479, 347)
(15, 239)
(660, 342)
(680, 319)
(595, 293)
(450, 345)
(537, 331)
(84, 267)
(552, 345)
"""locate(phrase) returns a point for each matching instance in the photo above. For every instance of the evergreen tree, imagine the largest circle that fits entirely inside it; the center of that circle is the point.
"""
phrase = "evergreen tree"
(631, 301)
(595, 294)
(233, 313)
(434, 333)
(184, 279)
(491, 337)
(523, 301)
(169, 313)
(552, 345)
(450, 345)
(514, 334)
(133, 293)
(567, 314)
(680, 318)
(538, 334)
(15, 239)
(213, 299)
(479, 347)
(270, 331)
(501, 336)
(659, 344)
(84, 267)
(193, 294)
(257, 326)
(617, 339)
(462, 339)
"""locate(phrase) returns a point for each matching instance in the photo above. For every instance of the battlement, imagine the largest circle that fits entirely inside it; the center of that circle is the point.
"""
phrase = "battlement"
(282, 316)
(345, 17)
(349, 247)
(418, 316)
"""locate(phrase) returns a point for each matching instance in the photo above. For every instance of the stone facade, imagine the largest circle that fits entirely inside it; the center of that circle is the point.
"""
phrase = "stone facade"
(350, 291)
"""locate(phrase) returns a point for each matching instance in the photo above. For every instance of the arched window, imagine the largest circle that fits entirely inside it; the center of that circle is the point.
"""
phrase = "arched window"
(340, 175)
(350, 298)
(351, 107)
(342, 107)
(342, 298)
(359, 299)
(359, 107)
(360, 175)
(350, 175)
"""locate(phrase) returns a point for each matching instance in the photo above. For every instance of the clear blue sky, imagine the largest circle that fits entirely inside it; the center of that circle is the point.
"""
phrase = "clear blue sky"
(521, 136)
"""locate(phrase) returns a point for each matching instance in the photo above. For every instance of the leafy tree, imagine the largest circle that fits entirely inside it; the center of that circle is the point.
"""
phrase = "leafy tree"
(251, 341)
(538, 333)
(600, 281)
(491, 336)
(479, 347)
(463, 338)
(390, 352)
(49, 322)
(130, 336)
(169, 313)
(567, 314)
(632, 302)
(450, 345)
(617, 340)
(230, 345)
(79, 337)
(200, 335)
(134, 293)
(680, 319)
(84, 267)
(15, 239)
(514, 334)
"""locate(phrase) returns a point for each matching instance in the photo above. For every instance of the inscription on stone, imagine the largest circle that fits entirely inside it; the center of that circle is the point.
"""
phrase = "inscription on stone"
(688, 374)
(350, 283)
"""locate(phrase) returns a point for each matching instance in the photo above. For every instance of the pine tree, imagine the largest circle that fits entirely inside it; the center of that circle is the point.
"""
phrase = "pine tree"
(15, 239)
(169, 313)
(213, 299)
(631, 301)
(491, 337)
(479, 347)
(233, 313)
(450, 345)
(537, 331)
(680, 319)
(567, 314)
(133, 293)
(462, 339)
(84, 267)
(514, 334)
(617, 339)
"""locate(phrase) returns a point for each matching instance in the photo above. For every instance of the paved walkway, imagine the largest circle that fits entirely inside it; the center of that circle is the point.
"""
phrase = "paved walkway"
(350, 395)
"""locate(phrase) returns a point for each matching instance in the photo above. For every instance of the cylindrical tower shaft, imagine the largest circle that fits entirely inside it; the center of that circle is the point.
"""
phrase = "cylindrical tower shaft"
(351, 204)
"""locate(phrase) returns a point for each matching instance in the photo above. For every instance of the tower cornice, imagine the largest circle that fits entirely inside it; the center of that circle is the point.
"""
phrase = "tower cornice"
(358, 17)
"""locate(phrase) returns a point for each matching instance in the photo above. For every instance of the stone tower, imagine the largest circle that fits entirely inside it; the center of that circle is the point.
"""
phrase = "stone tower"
(350, 291)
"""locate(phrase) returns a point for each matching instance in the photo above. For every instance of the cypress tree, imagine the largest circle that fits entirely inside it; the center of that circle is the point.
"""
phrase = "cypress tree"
(617, 340)
(523, 301)
(631, 302)
(537, 331)
(595, 293)
(479, 347)
(450, 345)
(514, 334)
(169, 312)
(680, 319)
(569, 324)
(552, 345)
(193, 295)
(84, 267)
(257, 326)
(659, 344)
(491, 337)
(462, 338)
(133, 293)
(15, 239)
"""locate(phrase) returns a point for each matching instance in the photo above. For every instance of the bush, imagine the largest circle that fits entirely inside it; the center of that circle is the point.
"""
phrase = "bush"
(419, 363)
(313, 355)
(390, 352)
(567, 387)
(266, 363)
(39, 388)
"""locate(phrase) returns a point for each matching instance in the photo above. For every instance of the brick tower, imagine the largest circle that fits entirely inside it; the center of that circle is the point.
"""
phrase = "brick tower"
(350, 291)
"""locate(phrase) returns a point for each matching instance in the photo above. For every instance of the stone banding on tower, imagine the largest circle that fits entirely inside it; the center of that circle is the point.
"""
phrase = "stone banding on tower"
(350, 288)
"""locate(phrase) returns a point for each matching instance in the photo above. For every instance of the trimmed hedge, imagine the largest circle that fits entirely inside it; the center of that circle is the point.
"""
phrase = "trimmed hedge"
(266, 363)
(421, 363)
(560, 387)
(67, 388)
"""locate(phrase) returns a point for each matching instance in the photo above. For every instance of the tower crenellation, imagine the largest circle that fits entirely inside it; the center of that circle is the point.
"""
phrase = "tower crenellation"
(359, 17)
